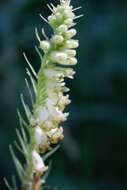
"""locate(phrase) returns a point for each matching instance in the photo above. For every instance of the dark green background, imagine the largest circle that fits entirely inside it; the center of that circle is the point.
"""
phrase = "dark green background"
(94, 154)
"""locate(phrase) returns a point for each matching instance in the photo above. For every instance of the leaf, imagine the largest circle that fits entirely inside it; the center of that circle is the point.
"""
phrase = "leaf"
(44, 19)
(14, 183)
(29, 90)
(22, 143)
(24, 128)
(20, 170)
(38, 52)
(26, 108)
(22, 121)
(51, 152)
(37, 35)
(30, 66)
(44, 34)
(48, 5)
(32, 81)
(79, 16)
(7, 184)
(18, 147)
(77, 8)
(23, 132)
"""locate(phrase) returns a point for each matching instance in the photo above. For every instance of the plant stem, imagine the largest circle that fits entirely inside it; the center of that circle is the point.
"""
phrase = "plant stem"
(36, 183)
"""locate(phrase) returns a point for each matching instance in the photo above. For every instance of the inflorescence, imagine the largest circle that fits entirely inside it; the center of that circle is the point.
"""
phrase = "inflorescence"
(50, 94)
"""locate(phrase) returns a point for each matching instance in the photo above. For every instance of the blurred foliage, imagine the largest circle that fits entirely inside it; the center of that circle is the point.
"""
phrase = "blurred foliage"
(94, 152)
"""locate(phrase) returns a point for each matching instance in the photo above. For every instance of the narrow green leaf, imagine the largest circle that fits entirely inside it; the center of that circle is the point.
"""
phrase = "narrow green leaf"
(50, 8)
(44, 34)
(20, 170)
(79, 16)
(14, 183)
(52, 5)
(32, 81)
(43, 18)
(7, 184)
(37, 35)
(51, 152)
(75, 9)
(23, 132)
(29, 90)
(38, 52)
(22, 121)
(30, 66)
(23, 144)
(18, 147)
(26, 108)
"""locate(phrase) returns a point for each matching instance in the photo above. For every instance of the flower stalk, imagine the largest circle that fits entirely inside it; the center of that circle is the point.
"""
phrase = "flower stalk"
(41, 133)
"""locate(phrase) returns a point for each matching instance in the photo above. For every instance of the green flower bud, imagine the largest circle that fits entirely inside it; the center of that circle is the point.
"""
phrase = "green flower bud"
(57, 39)
(68, 14)
(52, 20)
(59, 16)
(68, 22)
(71, 33)
(44, 45)
(72, 61)
(60, 8)
(72, 44)
(70, 53)
(59, 57)
(62, 28)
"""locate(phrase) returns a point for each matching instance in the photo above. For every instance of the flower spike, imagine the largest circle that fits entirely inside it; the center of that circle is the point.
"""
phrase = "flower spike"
(42, 134)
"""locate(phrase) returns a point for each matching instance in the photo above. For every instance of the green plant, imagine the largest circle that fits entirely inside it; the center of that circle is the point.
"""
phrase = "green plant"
(41, 132)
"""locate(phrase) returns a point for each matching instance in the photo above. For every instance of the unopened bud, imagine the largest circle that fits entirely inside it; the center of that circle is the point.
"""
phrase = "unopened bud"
(71, 52)
(69, 14)
(59, 57)
(58, 16)
(62, 28)
(72, 44)
(44, 45)
(68, 22)
(71, 33)
(69, 73)
(72, 61)
(52, 20)
(60, 8)
(57, 39)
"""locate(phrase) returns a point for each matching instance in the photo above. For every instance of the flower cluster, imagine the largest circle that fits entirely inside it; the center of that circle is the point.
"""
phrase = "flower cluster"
(41, 133)
(59, 52)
